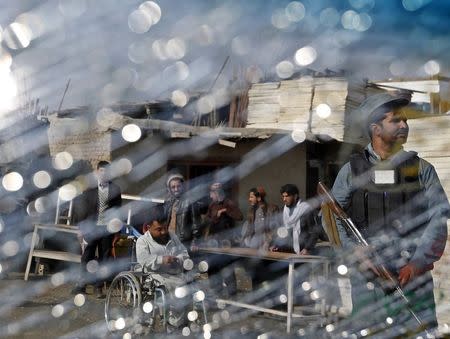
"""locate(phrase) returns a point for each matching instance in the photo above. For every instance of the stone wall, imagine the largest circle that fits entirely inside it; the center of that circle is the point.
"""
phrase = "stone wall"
(82, 140)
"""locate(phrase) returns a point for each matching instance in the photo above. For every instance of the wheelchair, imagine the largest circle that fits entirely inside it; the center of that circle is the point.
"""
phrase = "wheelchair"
(138, 302)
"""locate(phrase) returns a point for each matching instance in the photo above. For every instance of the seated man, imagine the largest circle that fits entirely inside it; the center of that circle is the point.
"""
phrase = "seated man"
(302, 230)
(158, 249)
(162, 253)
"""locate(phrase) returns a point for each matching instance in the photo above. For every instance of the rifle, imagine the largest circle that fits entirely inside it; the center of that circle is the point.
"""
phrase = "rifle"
(327, 198)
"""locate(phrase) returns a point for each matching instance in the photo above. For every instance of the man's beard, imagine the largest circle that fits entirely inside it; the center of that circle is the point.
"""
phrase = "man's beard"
(162, 240)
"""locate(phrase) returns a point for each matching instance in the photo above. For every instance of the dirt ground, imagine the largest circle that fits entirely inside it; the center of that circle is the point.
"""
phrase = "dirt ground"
(38, 309)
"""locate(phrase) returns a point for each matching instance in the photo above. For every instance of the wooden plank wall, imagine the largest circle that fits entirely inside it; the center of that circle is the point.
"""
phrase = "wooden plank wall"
(430, 137)
(291, 104)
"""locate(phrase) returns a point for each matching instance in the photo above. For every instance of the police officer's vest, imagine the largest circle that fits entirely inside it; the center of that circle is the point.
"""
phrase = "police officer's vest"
(385, 206)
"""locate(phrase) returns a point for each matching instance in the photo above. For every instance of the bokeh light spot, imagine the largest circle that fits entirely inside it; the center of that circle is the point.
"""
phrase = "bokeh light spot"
(10, 248)
(362, 22)
(188, 264)
(282, 232)
(68, 192)
(119, 324)
(179, 98)
(342, 269)
(306, 286)
(397, 68)
(199, 296)
(58, 279)
(182, 70)
(181, 292)
(348, 19)
(79, 300)
(123, 166)
(432, 67)
(192, 315)
(298, 136)
(305, 56)
(186, 331)
(131, 133)
(57, 311)
(139, 21)
(329, 328)
(114, 225)
(206, 104)
(152, 10)
(284, 69)
(63, 161)
(414, 5)
(42, 204)
(12, 181)
(92, 266)
(323, 111)
(42, 179)
(176, 48)
(159, 49)
(329, 17)
(314, 295)
(295, 11)
(280, 19)
(147, 307)
(203, 266)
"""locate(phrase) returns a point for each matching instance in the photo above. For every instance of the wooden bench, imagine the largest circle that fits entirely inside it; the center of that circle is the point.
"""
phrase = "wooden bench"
(49, 254)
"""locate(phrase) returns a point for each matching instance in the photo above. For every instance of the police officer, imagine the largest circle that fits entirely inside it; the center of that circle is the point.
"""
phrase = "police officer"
(397, 202)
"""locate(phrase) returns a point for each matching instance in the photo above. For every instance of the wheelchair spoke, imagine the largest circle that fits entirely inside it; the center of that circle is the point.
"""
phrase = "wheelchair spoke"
(122, 307)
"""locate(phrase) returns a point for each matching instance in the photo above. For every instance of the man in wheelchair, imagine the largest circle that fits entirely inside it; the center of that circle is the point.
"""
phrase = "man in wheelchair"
(157, 249)
(164, 258)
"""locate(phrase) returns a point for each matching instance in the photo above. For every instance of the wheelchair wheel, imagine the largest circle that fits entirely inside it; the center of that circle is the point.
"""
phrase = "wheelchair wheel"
(122, 306)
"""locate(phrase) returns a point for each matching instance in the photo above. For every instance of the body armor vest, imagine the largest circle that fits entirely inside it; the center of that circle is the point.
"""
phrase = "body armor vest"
(386, 207)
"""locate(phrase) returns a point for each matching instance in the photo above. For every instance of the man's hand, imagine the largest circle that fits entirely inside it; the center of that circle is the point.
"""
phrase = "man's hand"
(219, 212)
(169, 259)
(304, 252)
(363, 254)
(406, 274)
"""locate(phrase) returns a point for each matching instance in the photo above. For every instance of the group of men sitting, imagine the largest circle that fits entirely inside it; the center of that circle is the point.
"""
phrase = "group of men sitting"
(265, 226)
(180, 226)
(174, 231)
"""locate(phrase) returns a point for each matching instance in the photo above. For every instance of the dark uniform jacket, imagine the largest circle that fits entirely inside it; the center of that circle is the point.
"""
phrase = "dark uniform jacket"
(86, 210)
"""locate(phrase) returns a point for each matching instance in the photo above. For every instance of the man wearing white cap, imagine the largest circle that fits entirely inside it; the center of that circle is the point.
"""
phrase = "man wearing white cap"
(182, 214)
(396, 200)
